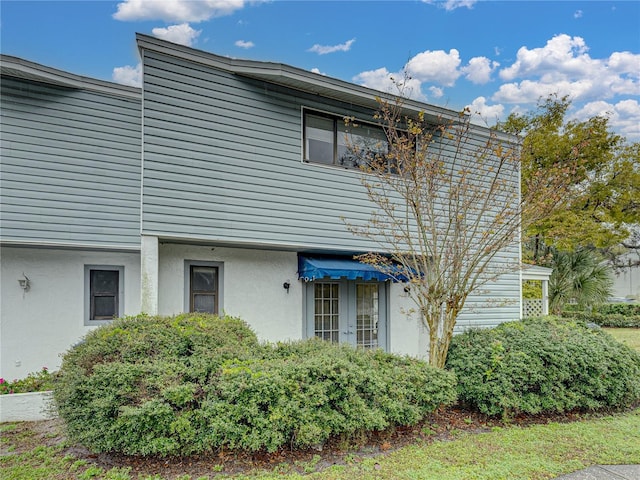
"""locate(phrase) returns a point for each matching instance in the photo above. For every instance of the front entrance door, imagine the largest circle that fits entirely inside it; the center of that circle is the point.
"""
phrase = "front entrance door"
(345, 311)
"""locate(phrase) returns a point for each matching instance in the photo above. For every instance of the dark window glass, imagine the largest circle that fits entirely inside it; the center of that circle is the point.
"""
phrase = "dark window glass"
(104, 289)
(329, 141)
(203, 289)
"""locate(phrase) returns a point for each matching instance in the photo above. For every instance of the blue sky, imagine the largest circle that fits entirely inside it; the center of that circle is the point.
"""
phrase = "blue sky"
(496, 57)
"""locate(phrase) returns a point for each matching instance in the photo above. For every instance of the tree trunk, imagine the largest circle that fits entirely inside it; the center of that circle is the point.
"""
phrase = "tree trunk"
(440, 338)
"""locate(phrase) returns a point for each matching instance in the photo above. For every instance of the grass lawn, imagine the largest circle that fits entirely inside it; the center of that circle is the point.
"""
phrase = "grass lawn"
(32, 452)
(628, 336)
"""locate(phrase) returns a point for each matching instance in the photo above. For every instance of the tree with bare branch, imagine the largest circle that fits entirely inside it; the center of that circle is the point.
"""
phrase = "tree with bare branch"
(448, 209)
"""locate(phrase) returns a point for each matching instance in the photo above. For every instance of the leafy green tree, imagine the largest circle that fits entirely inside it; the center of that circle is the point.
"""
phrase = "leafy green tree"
(603, 202)
(578, 277)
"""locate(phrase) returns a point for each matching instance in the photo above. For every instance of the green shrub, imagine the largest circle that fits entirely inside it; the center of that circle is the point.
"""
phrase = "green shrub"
(123, 387)
(610, 320)
(617, 315)
(543, 365)
(34, 382)
(194, 384)
(627, 309)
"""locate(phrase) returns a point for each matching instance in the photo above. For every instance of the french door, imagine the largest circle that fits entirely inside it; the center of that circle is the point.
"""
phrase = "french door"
(344, 311)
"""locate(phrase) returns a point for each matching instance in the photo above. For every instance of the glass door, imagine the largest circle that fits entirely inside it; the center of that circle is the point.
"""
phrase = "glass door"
(348, 311)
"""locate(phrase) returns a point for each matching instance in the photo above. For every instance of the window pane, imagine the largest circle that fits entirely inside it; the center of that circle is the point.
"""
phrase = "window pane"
(104, 281)
(104, 307)
(203, 279)
(203, 289)
(319, 139)
(204, 303)
(367, 315)
(326, 313)
(361, 145)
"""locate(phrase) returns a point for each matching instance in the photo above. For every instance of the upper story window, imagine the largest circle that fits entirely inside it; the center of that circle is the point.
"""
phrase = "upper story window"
(329, 141)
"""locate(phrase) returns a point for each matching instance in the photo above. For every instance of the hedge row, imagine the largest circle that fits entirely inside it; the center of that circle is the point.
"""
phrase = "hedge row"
(194, 384)
(543, 365)
(607, 315)
(610, 320)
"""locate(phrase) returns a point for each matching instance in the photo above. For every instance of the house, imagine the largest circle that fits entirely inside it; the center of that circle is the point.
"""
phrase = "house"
(215, 187)
(626, 282)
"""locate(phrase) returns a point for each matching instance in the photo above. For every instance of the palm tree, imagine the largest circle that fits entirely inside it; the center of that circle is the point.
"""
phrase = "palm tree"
(578, 277)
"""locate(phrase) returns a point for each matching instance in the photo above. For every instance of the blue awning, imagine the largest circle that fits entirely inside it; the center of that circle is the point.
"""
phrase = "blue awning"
(312, 268)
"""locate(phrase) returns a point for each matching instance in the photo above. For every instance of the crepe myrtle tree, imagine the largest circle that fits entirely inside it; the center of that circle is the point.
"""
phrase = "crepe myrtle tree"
(447, 206)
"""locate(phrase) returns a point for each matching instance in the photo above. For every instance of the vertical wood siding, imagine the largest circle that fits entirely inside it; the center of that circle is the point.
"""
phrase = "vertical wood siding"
(70, 167)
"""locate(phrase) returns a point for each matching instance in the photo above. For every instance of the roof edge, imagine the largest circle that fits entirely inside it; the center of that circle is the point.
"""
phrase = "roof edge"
(282, 74)
(20, 68)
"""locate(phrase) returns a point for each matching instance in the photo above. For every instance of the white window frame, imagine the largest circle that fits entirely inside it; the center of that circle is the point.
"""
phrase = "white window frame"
(347, 299)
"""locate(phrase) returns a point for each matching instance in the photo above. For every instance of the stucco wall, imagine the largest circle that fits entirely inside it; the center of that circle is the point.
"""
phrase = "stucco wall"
(407, 335)
(38, 325)
(252, 287)
(253, 291)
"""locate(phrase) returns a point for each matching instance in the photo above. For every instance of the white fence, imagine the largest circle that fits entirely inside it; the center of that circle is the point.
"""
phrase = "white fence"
(532, 307)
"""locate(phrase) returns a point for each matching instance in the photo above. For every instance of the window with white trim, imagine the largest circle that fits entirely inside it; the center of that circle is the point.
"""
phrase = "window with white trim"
(348, 311)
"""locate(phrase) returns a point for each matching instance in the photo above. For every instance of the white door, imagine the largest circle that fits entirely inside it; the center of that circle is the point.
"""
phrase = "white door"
(345, 311)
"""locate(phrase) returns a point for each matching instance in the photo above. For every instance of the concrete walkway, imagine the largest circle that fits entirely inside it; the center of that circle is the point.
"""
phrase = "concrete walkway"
(605, 472)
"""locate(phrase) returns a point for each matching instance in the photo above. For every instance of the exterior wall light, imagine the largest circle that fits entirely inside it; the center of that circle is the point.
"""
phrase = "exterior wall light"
(25, 283)
(287, 285)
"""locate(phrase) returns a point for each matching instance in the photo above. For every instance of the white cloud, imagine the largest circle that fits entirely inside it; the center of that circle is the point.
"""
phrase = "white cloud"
(479, 70)
(561, 53)
(432, 69)
(128, 75)
(385, 81)
(176, 10)
(182, 34)
(435, 66)
(624, 62)
(577, 14)
(452, 4)
(529, 91)
(436, 92)
(317, 70)
(483, 113)
(380, 79)
(564, 66)
(324, 49)
(624, 116)
(244, 44)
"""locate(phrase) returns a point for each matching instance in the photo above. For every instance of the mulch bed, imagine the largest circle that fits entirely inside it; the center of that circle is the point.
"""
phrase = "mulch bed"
(445, 424)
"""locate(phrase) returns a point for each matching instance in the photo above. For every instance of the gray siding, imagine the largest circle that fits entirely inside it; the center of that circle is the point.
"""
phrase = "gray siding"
(70, 170)
(223, 163)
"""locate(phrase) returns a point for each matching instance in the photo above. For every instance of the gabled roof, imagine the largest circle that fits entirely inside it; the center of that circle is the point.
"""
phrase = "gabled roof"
(19, 68)
(303, 80)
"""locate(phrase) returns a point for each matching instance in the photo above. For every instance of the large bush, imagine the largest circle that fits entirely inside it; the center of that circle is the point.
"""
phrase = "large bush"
(194, 384)
(607, 315)
(543, 365)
